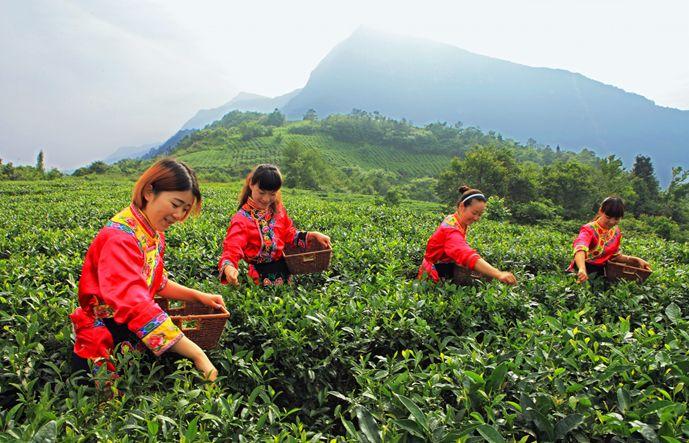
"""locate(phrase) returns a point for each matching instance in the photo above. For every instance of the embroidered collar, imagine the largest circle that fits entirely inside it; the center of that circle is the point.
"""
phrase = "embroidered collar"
(258, 213)
(143, 221)
(265, 222)
(597, 226)
(460, 226)
(133, 221)
(453, 221)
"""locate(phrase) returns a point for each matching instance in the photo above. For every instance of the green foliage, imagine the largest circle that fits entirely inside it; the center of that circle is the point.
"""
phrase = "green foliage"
(488, 169)
(645, 186)
(612, 179)
(40, 164)
(569, 185)
(275, 118)
(53, 174)
(664, 227)
(420, 189)
(374, 128)
(393, 197)
(492, 169)
(372, 181)
(304, 128)
(496, 209)
(311, 115)
(676, 198)
(97, 167)
(10, 172)
(123, 168)
(235, 149)
(369, 153)
(251, 130)
(537, 211)
(449, 182)
(235, 118)
(304, 167)
(362, 352)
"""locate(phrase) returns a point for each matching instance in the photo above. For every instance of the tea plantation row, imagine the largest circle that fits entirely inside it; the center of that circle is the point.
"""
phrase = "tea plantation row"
(363, 352)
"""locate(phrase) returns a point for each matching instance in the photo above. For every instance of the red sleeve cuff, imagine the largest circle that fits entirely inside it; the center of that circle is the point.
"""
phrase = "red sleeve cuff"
(472, 261)
(154, 328)
(159, 334)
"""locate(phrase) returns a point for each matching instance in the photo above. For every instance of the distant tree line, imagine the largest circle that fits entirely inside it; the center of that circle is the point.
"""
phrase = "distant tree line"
(534, 183)
(570, 188)
(125, 167)
(530, 183)
(8, 171)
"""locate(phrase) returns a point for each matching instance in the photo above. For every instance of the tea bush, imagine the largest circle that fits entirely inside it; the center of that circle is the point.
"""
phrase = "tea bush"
(363, 352)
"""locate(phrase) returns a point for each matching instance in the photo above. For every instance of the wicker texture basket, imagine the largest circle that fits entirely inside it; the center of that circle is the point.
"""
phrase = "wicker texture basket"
(615, 271)
(466, 277)
(200, 323)
(314, 258)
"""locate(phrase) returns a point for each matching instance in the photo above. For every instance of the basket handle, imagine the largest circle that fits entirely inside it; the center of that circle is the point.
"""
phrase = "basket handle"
(308, 258)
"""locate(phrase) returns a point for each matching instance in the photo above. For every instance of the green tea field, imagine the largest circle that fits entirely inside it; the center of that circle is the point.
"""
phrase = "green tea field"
(218, 150)
(363, 352)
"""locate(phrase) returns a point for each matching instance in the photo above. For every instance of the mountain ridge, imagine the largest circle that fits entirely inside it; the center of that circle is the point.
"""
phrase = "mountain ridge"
(424, 81)
(243, 101)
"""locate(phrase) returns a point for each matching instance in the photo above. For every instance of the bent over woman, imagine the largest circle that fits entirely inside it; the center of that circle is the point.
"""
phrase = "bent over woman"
(123, 271)
(448, 247)
(260, 230)
(599, 241)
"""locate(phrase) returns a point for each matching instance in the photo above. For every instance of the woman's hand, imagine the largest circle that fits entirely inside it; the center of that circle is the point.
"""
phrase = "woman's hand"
(507, 278)
(483, 267)
(204, 365)
(582, 276)
(231, 275)
(213, 300)
(322, 239)
(187, 348)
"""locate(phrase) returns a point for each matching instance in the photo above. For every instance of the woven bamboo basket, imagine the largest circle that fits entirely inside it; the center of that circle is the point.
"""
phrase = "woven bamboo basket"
(200, 323)
(309, 260)
(615, 271)
(466, 277)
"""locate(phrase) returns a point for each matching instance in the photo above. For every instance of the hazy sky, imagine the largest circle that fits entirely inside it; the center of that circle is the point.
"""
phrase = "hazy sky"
(81, 78)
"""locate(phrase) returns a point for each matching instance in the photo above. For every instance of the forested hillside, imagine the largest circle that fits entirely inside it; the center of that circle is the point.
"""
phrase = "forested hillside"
(368, 153)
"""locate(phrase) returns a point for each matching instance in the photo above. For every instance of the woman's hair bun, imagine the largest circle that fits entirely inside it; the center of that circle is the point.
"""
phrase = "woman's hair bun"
(463, 189)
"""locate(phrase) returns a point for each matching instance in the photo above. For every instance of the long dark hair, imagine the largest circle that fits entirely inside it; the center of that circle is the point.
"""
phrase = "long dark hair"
(268, 178)
(468, 195)
(168, 175)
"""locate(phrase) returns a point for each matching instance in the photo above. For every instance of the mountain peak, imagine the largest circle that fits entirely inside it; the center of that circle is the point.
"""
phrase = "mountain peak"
(426, 81)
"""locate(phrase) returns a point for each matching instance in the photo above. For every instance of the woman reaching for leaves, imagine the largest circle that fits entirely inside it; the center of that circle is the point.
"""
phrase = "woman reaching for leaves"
(123, 270)
(599, 241)
(448, 247)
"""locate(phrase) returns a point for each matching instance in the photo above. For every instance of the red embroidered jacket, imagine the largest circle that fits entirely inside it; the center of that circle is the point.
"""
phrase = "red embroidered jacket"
(599, 244)
(122, 271)
(258, 237)
(447, 245)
